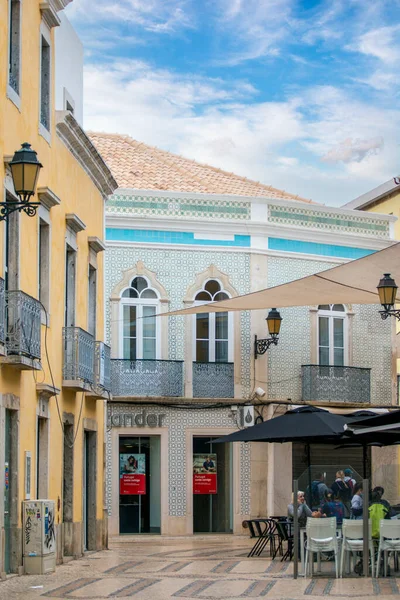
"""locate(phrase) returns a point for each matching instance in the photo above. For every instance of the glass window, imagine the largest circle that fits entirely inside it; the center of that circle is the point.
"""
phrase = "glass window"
(212, 331)
(139, 323)
(331, 334)
(14, 51)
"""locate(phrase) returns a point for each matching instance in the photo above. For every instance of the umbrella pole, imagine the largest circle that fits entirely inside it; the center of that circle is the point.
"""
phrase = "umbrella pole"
(295, 530)
(366, 528)
(364, 461)
(309, 472)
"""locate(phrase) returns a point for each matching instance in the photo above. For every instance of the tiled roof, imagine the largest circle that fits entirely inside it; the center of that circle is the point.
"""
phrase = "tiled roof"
(139, 166)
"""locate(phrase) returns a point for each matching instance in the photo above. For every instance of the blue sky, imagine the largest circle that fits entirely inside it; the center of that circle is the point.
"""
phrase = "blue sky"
(302, 95)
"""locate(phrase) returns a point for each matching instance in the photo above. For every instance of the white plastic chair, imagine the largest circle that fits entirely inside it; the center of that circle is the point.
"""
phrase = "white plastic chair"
(353, 542)
(389, 541)
(321, 537)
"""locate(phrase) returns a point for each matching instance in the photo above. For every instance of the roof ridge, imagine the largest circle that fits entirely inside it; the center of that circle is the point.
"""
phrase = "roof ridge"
(171, 159)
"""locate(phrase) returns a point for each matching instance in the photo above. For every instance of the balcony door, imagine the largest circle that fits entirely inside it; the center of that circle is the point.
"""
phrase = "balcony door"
(332, 335)
(140, 335)
(139, 484)
(213, 332)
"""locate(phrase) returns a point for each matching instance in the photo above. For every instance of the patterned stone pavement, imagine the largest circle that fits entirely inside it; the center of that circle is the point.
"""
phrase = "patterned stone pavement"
(206, 568)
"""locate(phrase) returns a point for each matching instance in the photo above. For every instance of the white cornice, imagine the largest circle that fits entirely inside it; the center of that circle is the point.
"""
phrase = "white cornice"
(322, 208)
(78, 143)
(96, 244)
(49, 14)
(252, 228)
(260, 251)
(47, 197)
(74, 222)
(59, 4)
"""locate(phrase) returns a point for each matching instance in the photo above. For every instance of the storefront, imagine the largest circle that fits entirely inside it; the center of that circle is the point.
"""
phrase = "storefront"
(167, 476)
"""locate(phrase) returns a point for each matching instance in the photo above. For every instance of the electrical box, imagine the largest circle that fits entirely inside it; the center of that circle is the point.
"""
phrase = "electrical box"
(39, 537)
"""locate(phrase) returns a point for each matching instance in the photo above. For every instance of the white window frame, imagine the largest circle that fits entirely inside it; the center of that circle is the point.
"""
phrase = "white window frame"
(139, 303)
(12, 95)
(212, 326)
(331, 315)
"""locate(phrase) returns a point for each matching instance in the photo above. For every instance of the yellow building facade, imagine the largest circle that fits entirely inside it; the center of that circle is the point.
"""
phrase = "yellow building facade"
(54, 366)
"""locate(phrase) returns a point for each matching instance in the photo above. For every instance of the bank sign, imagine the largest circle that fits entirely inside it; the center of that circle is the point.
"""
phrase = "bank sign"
(141, 419)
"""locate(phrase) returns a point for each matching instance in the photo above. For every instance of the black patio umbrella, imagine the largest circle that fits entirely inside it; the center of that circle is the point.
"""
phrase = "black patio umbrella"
(380, 423)
(307, 423)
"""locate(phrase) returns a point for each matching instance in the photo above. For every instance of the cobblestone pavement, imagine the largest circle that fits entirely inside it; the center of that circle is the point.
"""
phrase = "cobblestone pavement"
(206, 568)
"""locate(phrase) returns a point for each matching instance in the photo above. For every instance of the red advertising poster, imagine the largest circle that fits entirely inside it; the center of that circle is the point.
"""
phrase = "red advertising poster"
(204, 473)
(132, 474)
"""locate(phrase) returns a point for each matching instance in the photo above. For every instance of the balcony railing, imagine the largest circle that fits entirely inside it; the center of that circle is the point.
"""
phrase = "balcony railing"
(78, 346)
(147, 378)
(23, 316)
(102, 366)
(336, 384)
(213, 380)
(2, 312)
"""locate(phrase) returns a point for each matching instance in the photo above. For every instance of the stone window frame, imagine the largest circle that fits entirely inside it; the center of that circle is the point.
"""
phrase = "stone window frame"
(12, 94)
(45, 36)
(212, 272)
(138, 270)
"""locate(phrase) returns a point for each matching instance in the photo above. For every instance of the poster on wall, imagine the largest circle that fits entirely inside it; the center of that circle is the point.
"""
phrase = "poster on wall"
(204, 473)
(132, 474)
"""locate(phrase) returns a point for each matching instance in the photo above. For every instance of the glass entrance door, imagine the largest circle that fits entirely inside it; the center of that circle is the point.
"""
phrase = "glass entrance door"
(139, 484)
(212, 486)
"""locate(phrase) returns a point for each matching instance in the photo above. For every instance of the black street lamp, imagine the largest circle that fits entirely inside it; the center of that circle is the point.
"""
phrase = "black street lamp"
(387, 290)
(25, 169)
(274, 321)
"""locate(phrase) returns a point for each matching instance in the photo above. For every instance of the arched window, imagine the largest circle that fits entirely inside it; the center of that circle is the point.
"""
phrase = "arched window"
(213, 331)
(139, 338)
(332, 335)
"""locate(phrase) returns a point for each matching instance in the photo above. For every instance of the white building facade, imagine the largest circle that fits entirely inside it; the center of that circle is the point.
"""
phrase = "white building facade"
(178, 383)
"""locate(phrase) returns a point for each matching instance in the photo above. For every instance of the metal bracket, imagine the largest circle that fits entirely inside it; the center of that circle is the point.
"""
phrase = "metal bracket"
(6, 208)
(261, 346)
(390, 313)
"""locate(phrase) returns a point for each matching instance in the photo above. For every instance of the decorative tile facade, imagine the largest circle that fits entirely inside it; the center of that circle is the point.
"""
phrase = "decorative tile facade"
(178, 421)
(294, 349)
(328, 221)
(179, 207)
(176, 271)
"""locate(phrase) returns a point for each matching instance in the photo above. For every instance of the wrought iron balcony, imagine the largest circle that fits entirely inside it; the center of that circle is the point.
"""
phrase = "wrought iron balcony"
(162, 378)
(336, 384)
(102, 367)
(78, 359)
(23, 320)
(213, 380)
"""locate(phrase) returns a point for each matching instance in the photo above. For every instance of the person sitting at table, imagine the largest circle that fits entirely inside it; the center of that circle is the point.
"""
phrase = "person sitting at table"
(357, 502)
(303, 511)
(333, 506)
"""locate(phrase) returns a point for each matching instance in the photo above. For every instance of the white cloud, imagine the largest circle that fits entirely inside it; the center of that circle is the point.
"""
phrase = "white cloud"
(381, 43)
(163, 16)
(353, 150)
(295, 144)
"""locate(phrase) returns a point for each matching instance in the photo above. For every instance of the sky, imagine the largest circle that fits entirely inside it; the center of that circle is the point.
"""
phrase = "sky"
(299, 94)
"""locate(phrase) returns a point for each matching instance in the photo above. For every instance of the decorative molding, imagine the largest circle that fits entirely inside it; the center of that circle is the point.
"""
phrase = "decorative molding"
(96, 244)
(48, 198)
(78, 143)
(49, 14)
(74, 222)
(59, 4)
(129, 274)
(211, 273)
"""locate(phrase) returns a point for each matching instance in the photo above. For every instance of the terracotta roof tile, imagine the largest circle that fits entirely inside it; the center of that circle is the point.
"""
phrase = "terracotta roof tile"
(139, 166)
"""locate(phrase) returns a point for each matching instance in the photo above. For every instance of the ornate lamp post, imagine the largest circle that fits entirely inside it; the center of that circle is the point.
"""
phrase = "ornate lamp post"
(387, 290)
(274, 321)
(25, 169)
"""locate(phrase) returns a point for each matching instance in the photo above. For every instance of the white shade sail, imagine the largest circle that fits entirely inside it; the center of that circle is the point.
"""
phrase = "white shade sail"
(352, 283)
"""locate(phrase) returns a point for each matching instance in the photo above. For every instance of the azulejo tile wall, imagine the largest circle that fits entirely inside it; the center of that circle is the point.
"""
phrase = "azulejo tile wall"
(294, 347)
(178, 421)
(179, 207)
(176, 270)
(358, 224)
